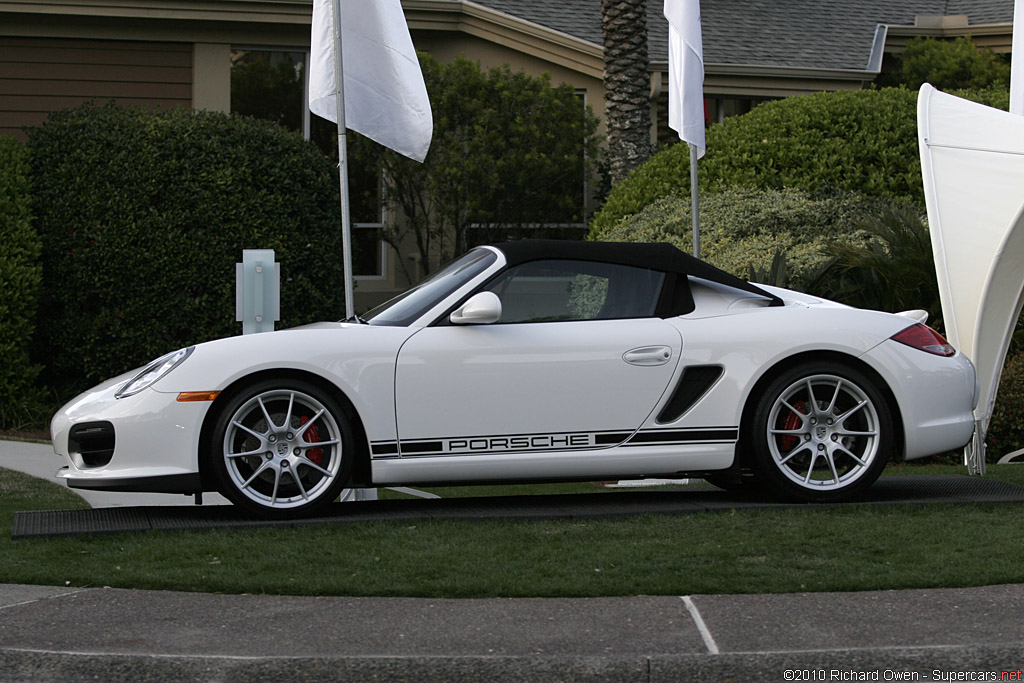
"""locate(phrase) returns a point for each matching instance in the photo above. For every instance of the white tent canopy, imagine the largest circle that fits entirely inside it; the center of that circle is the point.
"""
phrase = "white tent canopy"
(972, 160)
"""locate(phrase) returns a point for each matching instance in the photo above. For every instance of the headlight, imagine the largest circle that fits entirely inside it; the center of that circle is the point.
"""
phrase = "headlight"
(154, 371)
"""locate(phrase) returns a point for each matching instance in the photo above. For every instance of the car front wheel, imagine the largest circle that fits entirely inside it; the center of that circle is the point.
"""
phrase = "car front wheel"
(282, 448)
(820, 433)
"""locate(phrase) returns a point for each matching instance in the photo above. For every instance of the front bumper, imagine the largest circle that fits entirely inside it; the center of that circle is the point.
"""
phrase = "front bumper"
(148, 442)
(143, 483)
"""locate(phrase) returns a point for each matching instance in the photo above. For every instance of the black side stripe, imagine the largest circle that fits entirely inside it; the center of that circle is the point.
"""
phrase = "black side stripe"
(384, 448)
(658, 437)
(417, 447)
(611, 438)
(685, 436)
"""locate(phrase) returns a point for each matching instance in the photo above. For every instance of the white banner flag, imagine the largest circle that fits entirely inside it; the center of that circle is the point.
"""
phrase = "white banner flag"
(385, 97)
(686, 71)
(1017, 60)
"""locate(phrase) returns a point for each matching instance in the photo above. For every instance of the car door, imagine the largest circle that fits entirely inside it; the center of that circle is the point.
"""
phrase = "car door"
(577, 360)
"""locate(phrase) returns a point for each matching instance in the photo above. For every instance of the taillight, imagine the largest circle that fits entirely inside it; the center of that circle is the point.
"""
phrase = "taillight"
(922, 337)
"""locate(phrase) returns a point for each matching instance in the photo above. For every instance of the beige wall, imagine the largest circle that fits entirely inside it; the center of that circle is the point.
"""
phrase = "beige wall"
(211, 85)
(43, 75)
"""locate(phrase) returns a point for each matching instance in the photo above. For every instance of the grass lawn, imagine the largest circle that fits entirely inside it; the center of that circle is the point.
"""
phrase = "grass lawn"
(814, 549)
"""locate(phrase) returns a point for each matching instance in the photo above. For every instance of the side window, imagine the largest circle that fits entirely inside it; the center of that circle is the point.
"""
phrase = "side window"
(545, 291)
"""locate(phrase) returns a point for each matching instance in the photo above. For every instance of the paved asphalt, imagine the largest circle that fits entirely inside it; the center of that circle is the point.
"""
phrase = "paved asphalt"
(102, 634)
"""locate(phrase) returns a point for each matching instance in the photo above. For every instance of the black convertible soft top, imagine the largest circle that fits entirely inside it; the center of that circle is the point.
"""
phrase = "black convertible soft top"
(660, 256)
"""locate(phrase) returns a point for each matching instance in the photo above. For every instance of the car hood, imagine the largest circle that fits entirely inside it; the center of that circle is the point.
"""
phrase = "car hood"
(322, 325)
(325, 348)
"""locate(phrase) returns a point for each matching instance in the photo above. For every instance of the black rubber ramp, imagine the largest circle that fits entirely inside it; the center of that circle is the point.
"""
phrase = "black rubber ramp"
(910, 489)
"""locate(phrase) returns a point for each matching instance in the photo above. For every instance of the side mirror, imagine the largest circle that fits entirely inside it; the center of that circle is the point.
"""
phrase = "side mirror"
(482, 308)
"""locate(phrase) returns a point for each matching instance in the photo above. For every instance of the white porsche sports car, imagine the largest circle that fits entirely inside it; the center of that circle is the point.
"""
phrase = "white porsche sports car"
(535, 361)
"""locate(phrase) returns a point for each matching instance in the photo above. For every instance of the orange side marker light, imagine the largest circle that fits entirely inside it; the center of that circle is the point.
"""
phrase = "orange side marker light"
(190, 396)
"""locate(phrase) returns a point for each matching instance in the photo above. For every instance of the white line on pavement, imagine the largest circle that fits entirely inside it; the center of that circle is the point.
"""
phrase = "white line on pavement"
(705, 634)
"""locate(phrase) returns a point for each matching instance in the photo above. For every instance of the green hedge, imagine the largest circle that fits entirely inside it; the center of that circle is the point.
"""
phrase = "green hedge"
(861, 141)
(143, 216)
(743, 229)
(20, 274)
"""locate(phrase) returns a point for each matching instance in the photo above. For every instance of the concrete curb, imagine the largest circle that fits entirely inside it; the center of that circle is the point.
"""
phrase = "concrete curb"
(886, 664)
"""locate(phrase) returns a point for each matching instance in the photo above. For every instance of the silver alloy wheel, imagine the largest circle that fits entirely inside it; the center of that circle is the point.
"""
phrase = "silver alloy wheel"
(823, 432)
(282, 449)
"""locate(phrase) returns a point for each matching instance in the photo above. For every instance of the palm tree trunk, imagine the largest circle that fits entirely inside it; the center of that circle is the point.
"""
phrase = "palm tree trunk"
(627, 85)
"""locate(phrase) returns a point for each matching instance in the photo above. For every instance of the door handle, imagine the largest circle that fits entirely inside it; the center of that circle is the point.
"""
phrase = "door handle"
(648, 355)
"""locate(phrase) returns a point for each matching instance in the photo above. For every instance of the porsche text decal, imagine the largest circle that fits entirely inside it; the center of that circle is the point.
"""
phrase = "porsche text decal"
(520, 443)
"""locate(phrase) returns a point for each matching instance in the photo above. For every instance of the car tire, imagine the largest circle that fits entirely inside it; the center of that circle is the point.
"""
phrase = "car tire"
(821, 432)
(282, 448)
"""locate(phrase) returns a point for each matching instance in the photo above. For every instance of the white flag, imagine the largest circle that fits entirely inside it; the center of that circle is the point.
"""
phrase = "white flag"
(385, 97)
(686, 71)
(1017, 60)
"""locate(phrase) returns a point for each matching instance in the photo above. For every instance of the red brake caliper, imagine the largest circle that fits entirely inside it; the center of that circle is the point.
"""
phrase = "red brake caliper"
(312, 435)
(788, 442)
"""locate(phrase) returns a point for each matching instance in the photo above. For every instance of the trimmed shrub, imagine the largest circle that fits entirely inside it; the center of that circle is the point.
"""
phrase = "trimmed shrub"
(742, 230)
(862, 141)
(143, 216)
(20, 274)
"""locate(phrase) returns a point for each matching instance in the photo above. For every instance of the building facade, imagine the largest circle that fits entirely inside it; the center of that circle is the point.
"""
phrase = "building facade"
(56, 54)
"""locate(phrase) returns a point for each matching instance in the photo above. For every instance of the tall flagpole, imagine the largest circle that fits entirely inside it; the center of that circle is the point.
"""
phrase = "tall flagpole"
(686, 90)
(346, 225)
(1017, 60)
(694, 201)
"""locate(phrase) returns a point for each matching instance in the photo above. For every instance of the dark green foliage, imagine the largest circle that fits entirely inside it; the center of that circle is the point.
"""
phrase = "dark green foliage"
(20, 274)
(993, 96)
(948, 65)
(143, 217)
(863, 141)
(776, 273)
(1006, 430)
(509, 152)
(892, 271)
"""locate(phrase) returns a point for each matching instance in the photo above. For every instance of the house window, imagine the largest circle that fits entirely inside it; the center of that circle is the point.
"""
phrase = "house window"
(368, 215)
(271, 85)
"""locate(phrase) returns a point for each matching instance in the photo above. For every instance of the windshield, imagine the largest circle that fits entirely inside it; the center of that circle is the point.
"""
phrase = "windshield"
(409, 306)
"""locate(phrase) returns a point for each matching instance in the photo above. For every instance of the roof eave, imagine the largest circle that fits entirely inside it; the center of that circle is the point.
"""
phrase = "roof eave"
(758, 80)
(995, 36)
(510, 31)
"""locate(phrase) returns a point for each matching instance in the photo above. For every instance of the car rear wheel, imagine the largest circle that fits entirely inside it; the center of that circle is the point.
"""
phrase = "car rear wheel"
(282, 448)
(821, 433)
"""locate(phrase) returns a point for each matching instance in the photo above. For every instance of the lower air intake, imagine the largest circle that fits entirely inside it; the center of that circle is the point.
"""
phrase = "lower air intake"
(93, 442)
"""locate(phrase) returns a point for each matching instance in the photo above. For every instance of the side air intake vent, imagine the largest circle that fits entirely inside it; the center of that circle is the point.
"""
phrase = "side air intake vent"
(693, 384)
